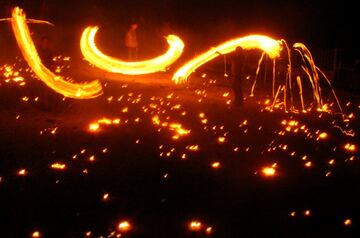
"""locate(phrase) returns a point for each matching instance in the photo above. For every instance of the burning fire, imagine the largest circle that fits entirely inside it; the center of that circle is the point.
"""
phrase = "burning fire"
(92, 54)
(57, 83)
(267, 44)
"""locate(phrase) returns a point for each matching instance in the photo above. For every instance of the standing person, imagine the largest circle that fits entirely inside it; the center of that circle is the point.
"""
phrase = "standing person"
(46, 55)
(237, 72)
(131, 42)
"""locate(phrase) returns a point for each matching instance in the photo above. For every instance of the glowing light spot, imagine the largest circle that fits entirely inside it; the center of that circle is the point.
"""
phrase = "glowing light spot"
(195, 226)
(93, 127)
(22, 172)
(124, 226)
(350, 147)
(105, 196)
(268, 171)
(216, 165)
(58, 166)
(323, 135)
(348, 222)
(209, 230)
(36, 234)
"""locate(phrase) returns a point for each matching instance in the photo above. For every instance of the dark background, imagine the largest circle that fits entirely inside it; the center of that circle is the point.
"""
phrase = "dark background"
(327, 28)
(316, 22)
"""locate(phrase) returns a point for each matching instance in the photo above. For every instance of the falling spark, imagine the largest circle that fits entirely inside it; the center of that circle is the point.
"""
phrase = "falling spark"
(36, 234)
(105, 196)
(92, 54)
(57, 83)
(124, 226)
(269, 171)
(350, 147)
(307, 213)
(348, 222)
(58, 166)
(322, 135)
(22, 172)
(93, 127)
(195, 226)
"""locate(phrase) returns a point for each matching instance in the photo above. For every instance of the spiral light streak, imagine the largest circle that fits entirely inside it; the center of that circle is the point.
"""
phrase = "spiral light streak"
(94, 56)
(265, 43)
(57, 83)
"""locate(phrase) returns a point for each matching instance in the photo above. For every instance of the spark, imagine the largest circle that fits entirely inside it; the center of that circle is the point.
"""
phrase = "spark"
(269, 171)
(58, 166)
(124, 226)
(36, 234)
(22, 172)
(195, 226)
(215, 165)
(350, 147)
(348, 222)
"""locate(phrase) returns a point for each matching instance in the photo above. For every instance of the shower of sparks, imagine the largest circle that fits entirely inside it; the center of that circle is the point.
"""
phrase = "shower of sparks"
(92, 54)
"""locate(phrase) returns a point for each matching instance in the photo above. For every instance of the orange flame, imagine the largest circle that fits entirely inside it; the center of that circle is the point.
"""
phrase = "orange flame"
(92, 54)
(267, 44)
(57, 83)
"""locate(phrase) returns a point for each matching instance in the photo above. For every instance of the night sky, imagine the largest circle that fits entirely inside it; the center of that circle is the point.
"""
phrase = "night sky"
(319, 23)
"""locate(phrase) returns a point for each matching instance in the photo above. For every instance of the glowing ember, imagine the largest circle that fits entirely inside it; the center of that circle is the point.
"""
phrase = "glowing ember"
(209, 230)
(348, 222)
(57, 83)
(105, 196)
(269, 171)
(94, 127)
(307, 213)
(22, 172)
(124, 226)
(215, 165)
(221, 139)
(350, 147)
(270, 46)
(92, 54)
(58, 166)
(323, 135)
(36, 234)
(195, 226)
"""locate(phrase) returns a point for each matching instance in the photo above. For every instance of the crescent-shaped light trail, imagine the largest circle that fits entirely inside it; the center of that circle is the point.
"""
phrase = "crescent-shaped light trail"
(57, 83)
(97, 58)
(268, 45)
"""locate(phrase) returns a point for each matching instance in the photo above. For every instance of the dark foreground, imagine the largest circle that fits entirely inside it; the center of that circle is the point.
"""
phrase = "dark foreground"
(60, 179)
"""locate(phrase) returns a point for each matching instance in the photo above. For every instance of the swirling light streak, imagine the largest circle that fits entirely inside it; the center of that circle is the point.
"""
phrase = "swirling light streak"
(94, 56)
(265, 43)
(57, 83)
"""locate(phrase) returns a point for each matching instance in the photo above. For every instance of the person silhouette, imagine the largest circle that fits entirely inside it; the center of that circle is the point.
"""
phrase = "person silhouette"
(131, 42)
(237, 73)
